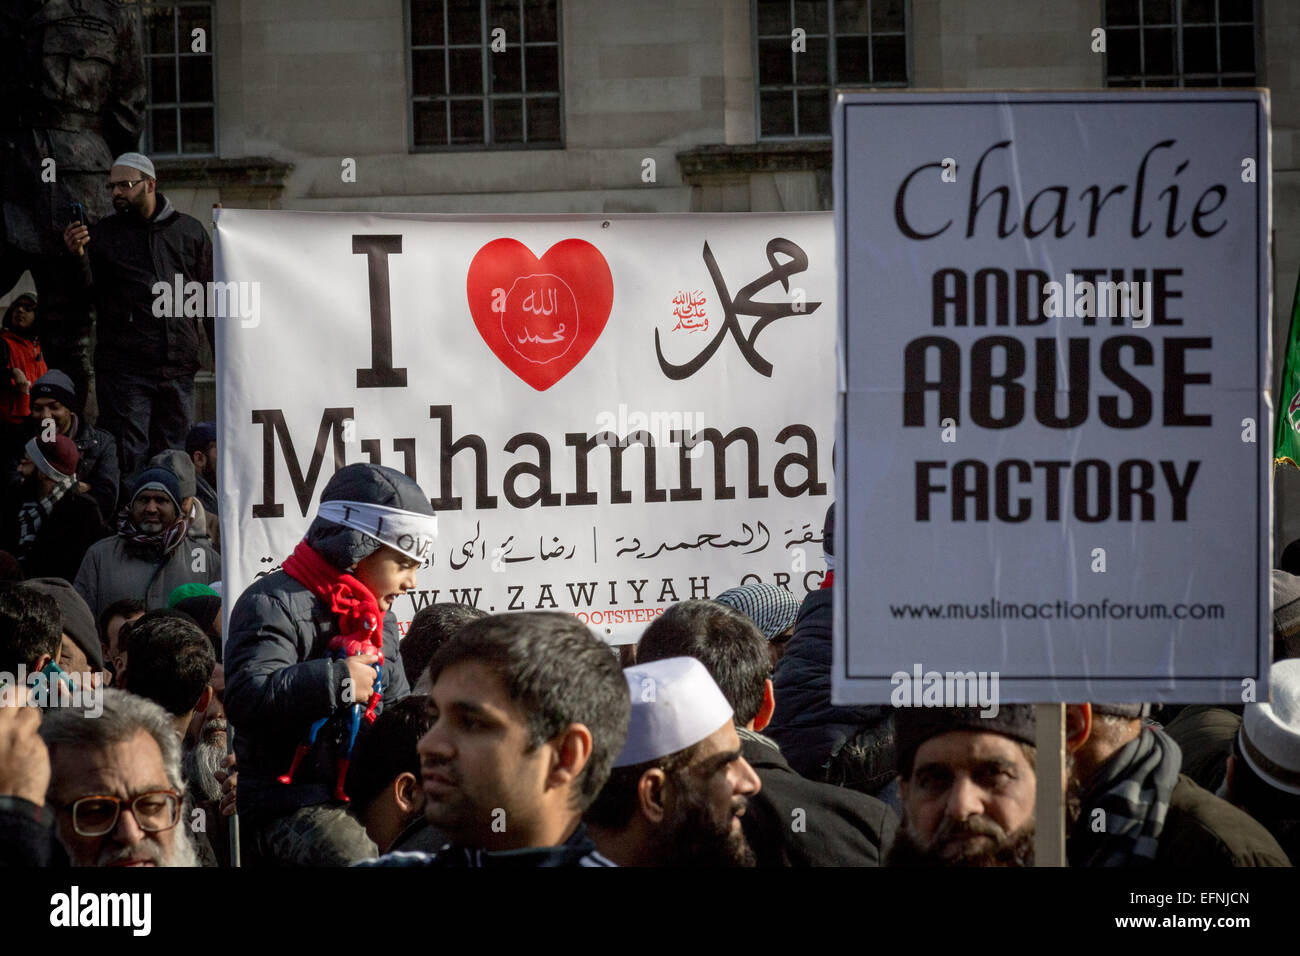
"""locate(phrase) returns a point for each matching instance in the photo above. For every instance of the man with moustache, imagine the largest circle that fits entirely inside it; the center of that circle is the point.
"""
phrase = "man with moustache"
(152, 554)
(529, 710)
(144, 362)
(115, 784)
(967, 784)
(681, 785)
(54, 400)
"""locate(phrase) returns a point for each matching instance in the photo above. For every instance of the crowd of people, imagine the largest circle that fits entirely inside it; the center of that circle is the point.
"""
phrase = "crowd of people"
(523, 739)
(516, 739)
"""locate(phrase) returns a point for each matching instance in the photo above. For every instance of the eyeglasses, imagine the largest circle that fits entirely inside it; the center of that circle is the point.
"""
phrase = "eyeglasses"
(124, 184)
(97, 815)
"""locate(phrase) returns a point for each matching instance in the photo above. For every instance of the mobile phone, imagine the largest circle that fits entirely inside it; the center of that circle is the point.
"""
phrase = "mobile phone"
(54, 672)
(78, 212)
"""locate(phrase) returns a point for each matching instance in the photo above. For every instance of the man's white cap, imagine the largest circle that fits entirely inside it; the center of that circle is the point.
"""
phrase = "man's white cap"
(675, 703)
(1270, 732)
(137, 161)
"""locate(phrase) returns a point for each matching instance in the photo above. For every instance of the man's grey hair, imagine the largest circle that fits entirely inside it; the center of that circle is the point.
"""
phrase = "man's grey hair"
(124, 716)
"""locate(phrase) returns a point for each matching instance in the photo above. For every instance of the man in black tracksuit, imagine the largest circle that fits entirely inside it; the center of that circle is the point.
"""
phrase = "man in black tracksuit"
(144, 362)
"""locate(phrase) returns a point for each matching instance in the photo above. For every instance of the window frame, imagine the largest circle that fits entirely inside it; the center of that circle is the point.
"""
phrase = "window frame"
(1139, 81)
(832, 70)
(486, 96)
(146, 144)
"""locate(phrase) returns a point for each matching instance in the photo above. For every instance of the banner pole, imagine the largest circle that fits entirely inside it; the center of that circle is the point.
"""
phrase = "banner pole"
(1049, 800)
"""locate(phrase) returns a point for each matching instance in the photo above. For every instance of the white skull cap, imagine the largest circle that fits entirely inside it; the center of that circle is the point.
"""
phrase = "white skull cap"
(137, 161)
(675, 703)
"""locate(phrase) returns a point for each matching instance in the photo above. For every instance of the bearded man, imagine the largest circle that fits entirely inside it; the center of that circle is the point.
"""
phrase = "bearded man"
(967, 784)
(151, 555)
(681, 784)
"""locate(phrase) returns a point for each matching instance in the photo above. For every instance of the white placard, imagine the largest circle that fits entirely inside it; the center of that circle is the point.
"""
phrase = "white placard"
(1049, 478)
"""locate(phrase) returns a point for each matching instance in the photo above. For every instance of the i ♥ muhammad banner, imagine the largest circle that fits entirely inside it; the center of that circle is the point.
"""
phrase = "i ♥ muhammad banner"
(607, 414)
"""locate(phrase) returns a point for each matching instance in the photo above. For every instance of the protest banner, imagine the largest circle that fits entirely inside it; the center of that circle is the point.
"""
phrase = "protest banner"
(1054, 399)
(608, 414)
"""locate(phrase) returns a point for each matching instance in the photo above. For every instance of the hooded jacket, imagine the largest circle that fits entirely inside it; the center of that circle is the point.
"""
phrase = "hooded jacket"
(279, 675)
(126, 256)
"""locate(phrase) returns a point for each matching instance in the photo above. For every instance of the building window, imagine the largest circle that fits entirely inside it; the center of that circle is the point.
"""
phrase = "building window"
(1180, 43)
(474, 87)
(846, 43)
(181, 117)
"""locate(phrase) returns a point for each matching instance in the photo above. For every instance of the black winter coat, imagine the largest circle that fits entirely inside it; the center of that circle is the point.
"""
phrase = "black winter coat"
(279, 677)
(64, 537)
(126, 256)
(98, 466)
(796, 822)
(808, 728)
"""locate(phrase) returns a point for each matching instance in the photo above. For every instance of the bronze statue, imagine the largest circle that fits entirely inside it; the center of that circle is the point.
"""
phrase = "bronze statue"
(72, 90)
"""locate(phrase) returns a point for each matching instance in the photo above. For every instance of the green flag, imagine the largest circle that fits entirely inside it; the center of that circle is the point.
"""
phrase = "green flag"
(1286, 437)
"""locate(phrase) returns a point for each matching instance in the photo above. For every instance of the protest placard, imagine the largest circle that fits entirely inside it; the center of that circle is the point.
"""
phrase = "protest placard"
(1055, 378)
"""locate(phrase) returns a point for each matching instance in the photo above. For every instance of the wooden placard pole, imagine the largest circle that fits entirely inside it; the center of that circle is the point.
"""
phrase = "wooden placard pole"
(1049, 809)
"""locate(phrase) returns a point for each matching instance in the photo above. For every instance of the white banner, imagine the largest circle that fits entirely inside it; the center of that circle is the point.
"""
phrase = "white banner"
(1055, 417)
(608, 414)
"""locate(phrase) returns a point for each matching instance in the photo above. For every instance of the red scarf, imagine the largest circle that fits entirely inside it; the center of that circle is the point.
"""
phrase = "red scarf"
(347, 597)
(827, 581)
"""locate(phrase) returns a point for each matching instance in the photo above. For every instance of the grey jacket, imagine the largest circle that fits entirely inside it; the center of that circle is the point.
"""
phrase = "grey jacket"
(115, 568)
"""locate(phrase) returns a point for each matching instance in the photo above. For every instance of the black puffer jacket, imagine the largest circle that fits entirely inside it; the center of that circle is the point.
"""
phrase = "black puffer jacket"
(808, 728)
(279, 678)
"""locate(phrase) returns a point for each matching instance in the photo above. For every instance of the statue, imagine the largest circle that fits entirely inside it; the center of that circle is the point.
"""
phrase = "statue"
(72, 96)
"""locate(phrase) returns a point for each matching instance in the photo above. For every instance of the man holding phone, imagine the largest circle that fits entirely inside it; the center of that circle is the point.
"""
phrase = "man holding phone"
(144, 362)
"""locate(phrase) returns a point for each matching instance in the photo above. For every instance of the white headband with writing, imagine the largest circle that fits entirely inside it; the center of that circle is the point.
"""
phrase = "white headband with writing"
(406, 531)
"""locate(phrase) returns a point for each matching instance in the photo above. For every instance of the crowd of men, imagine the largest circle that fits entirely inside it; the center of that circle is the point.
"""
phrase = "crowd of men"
(524, 739)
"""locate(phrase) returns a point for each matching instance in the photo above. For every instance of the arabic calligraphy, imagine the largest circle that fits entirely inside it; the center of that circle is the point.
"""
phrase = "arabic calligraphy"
(743, 304)
(539, 317)
(688, 307)
(712, 540)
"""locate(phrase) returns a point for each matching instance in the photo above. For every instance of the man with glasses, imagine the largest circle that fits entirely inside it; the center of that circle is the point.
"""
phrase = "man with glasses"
(144, 361)
(115, 784)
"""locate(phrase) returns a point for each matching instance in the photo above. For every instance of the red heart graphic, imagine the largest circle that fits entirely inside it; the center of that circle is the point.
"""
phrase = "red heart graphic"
(540, 316)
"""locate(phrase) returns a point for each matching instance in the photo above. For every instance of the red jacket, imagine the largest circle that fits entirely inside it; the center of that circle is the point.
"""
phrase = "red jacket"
(25, 354)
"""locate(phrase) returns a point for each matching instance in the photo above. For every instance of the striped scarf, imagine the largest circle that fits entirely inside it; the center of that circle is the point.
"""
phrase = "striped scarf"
(1132, 790)
(32, 513)
(166, 540)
